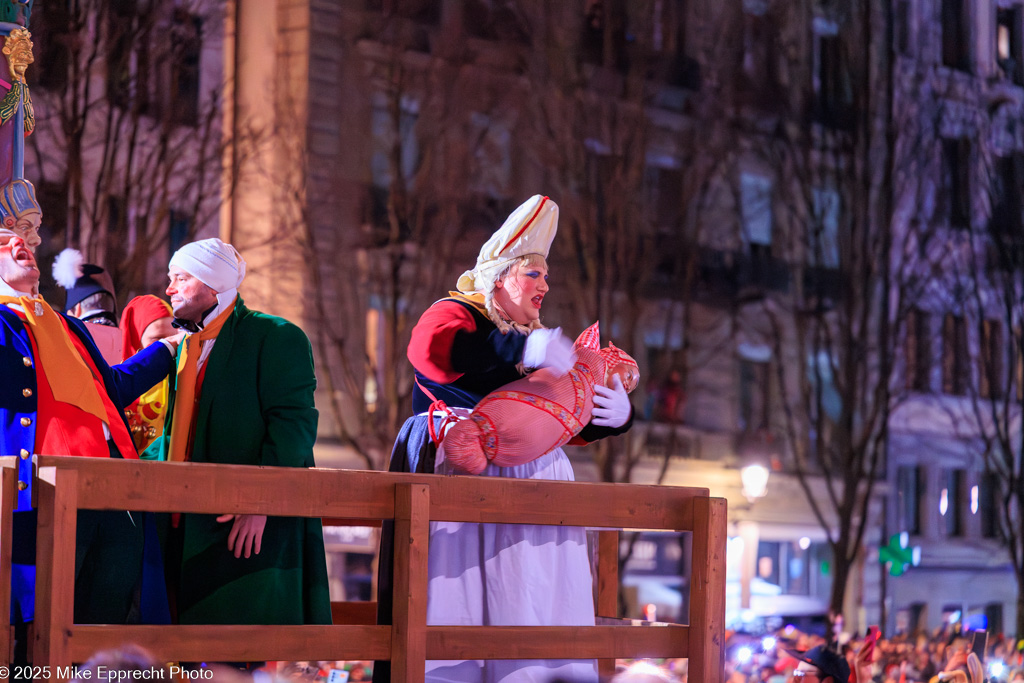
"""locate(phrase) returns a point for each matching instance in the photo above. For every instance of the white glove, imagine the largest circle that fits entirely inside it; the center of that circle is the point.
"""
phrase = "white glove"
(549, 349)
(611, 406)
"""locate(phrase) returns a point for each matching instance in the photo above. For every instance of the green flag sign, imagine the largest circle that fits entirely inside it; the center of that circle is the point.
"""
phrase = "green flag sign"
(898, 555)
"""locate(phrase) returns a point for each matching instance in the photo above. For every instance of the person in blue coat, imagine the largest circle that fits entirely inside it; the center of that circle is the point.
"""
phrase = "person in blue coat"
(59, 397)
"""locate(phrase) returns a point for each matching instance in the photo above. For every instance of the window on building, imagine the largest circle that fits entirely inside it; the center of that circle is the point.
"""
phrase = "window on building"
(824, 242)
(956, 180)
(956, 48)
(1008, 43)
(423, 11)
(755, 397)
(668, 41)
(756, 208)
(952, 498)
(768, 556)
(1017, 353)
(186, 49)
(990, 361)
(919, 350)
(125, 42)
(956, 371)
(53, 200)
(833, 91)
(663, 187)
(760, 53)
(1007, 185)
(901, 30)
(492, 20)
(988, 502)
(604, 34)
(50, 26)
(180, 225)
(909, 497)
(491, 155)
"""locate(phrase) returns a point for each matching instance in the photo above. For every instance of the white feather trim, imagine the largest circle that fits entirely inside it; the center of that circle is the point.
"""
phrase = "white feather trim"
(67, 267)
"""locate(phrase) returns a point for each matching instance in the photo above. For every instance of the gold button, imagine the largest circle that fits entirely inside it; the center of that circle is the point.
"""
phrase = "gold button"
(22, 485)
(27, 361)
(26, 392)
(24, 454)
(25, 421)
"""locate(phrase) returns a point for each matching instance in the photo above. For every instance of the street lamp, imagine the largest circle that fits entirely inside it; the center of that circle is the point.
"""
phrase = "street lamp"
(755, 481)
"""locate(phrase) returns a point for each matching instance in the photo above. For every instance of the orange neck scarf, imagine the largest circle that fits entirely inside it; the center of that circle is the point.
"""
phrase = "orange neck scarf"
(185, 388)
(77, 386)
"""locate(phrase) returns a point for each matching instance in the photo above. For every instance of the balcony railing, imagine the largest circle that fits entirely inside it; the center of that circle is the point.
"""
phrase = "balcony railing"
(67, 484)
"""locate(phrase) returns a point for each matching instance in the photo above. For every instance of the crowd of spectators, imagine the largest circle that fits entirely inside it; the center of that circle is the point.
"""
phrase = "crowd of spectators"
(903, 658)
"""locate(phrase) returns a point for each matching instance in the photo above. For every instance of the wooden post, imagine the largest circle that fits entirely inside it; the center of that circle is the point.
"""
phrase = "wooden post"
(707, 591)
(409, 611)
(607, 587)
(8, 499)
(57, 491)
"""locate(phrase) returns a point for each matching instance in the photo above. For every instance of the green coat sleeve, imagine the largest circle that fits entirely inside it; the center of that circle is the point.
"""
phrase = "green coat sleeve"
(287, 382)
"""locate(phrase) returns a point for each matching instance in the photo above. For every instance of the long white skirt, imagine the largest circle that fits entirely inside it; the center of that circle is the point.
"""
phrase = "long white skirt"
(510, 575)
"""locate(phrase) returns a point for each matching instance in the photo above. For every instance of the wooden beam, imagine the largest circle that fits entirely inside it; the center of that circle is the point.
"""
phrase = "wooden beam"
(707, 590)
(354, 612)
(8, 501)
(55, 564)
(317, 493)
(237, 643)
(556, 642)
(607, 603)
(409, 611)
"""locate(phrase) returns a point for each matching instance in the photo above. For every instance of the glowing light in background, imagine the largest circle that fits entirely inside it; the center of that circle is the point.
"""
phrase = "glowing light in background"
(744, 654)
(805, 543)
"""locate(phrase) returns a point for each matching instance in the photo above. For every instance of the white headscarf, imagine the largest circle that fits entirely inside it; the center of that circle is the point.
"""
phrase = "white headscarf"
(530, 229)
(216, 264)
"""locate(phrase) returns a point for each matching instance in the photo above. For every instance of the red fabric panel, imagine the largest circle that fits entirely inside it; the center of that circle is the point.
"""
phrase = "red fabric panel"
(430, 349)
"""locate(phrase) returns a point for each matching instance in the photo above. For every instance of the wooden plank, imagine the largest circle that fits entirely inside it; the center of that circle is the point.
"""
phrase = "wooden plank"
(237, 643)
(409, 611)
(55, 565)
(8, 500)
(607, 602)
(354, 612)
(556, 642)
(707, 591)
(341, 521)
(216, 489)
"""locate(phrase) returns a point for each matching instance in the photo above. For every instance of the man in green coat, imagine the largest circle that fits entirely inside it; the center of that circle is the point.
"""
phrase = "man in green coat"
(243, 395)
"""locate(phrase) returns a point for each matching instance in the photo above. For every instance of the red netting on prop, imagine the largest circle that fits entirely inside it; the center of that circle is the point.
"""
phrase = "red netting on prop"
(526, 418)
(534, 415)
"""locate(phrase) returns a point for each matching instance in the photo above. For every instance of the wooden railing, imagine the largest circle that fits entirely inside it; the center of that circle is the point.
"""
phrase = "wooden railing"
(65, 485)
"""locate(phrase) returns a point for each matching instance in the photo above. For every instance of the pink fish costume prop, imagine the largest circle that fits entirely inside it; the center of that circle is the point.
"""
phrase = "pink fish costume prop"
(537, 413)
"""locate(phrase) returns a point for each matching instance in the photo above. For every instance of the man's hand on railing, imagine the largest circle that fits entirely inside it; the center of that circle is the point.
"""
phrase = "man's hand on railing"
(246, 533)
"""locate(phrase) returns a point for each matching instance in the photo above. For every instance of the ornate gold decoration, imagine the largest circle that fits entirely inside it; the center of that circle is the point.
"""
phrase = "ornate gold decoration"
(18, 49)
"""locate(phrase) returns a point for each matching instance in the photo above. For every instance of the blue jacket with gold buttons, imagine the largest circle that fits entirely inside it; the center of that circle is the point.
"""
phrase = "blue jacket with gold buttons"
(124, 383)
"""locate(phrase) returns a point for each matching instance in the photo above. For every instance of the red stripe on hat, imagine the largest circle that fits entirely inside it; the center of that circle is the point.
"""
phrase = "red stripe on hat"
(525, 226)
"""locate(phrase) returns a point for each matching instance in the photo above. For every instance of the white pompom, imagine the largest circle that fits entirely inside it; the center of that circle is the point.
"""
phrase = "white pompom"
(67, 267)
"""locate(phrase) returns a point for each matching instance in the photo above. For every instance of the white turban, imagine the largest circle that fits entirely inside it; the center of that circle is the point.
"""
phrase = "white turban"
(216, 264)
(530, 229)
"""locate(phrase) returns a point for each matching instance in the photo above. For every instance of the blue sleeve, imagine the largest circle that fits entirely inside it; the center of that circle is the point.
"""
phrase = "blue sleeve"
(140, 373)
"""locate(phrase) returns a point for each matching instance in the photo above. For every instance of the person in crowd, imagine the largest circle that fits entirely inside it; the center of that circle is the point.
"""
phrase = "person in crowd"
(59, 397)
(243, 394)
(145, 319)
(463, 347)
(90, 298)
(821, 664)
